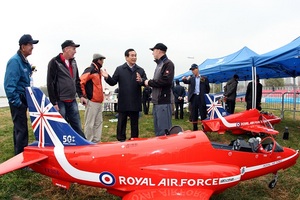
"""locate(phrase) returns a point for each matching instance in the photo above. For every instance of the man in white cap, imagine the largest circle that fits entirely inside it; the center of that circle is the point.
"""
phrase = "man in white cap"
(17, 78)
(91, 86)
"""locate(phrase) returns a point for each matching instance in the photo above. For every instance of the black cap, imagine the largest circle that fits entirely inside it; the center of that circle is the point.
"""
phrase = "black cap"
(68, 43)
(160, 46)
(27, 39)
(194, 66)
(236, 76)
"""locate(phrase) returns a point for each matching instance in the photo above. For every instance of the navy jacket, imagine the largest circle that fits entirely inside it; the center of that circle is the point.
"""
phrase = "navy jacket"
(204, 87)
(130, 91)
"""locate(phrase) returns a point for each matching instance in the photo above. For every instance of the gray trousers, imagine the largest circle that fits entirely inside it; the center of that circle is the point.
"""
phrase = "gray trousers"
(162, 117)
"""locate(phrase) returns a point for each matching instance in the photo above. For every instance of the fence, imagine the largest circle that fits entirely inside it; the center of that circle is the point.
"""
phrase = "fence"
(282, 101)
(287, 101)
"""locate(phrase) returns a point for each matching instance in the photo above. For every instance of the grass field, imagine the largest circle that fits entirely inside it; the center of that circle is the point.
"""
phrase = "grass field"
(29, 185)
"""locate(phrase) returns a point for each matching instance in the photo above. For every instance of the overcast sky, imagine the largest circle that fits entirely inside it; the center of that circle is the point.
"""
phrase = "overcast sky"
(193, 30)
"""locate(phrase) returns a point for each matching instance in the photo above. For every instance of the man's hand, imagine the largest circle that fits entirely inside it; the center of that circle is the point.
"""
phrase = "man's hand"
(186, 78)
(104, 73)
(56, 107)
(138, 77)
(146, 82)
(83, 101)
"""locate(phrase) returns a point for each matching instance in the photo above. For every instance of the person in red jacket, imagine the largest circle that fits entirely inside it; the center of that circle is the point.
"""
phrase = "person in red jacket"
(91, 86)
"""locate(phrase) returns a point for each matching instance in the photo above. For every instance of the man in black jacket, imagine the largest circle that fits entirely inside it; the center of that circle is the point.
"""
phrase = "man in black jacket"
(146, 99)
(199, 86)
(161, 89)
(248, 96)
(130, 77)
(179, 94)
(63, 83)
(230, 93)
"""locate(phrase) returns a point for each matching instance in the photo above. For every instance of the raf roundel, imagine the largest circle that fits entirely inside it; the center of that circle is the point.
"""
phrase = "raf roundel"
(107, 179)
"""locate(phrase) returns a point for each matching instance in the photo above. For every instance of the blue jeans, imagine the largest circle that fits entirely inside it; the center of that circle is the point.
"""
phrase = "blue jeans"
(69, 111)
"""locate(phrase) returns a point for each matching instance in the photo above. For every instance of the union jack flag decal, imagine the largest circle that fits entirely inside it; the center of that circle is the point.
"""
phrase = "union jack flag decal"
(49, 127)
(214, 106)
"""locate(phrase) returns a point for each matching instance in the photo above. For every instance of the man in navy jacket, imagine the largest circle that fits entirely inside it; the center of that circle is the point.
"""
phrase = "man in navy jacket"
(130, 78)
(199, 86)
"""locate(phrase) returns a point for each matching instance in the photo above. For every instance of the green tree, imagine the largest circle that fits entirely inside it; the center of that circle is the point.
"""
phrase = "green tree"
(276, 82)
(215, 88)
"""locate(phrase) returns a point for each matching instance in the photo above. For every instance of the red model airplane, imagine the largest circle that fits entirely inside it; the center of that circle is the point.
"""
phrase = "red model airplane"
(185, 165)
(247, 121)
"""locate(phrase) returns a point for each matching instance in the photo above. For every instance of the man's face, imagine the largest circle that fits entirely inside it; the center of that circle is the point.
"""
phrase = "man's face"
(195, 71)
(131, 59)
(156, 54)
(27, 49)
(69, 52)
(100, 61)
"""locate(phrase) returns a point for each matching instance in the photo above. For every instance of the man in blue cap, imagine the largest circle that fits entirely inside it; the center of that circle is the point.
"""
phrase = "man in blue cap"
(198, 87)
(17, 78)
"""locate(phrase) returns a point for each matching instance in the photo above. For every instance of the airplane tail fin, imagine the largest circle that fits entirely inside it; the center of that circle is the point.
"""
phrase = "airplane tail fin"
(49, 127)
(214, 106)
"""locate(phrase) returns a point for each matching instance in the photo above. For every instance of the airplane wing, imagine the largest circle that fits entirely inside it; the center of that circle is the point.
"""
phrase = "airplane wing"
(259, 129)
(21, 160)
(170, 193)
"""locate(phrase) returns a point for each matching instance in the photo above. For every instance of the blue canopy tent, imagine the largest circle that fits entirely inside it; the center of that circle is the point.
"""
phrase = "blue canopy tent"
(219, 70)
(279, 63)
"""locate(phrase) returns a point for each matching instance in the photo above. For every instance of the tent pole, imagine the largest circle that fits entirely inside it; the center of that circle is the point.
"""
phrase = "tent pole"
(294, 86)
(254, 87)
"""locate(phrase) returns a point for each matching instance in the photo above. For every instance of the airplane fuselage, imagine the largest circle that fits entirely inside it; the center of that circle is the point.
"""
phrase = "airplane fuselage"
(238, 122)
(157, 163)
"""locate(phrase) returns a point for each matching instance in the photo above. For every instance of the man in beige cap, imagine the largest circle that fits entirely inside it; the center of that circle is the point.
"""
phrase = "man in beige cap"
(91, 86)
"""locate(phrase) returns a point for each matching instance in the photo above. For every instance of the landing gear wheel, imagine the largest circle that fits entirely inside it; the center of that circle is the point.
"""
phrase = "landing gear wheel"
(272, 184)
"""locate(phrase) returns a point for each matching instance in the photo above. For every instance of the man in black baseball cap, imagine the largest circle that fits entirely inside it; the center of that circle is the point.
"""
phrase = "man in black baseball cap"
(63, 85)
(161, 84)
(194, 66)
(68, 43)
(160, 46)
(198, 87)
